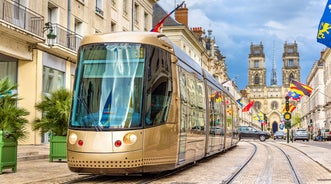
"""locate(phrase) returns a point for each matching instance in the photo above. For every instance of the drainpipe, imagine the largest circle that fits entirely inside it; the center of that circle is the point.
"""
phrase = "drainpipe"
(69, 13)
(68, 23)
(132, 16)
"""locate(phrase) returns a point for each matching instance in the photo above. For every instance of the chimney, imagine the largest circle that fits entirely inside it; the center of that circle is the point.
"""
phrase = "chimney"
(197, 31)
(181, 15)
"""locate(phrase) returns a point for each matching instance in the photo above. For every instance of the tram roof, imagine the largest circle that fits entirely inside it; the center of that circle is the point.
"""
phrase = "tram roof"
(150, 38)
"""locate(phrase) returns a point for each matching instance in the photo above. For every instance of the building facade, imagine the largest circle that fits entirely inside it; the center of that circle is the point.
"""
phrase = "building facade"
(313, 112)
(39, 42)
(326, 59)
(269, 99)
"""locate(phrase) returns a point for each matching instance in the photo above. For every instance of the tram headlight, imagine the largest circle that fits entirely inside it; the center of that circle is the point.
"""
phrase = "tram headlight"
(130, 138)
(72, 138)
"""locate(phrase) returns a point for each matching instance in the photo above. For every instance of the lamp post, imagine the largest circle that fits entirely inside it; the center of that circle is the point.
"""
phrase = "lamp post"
(51, 36)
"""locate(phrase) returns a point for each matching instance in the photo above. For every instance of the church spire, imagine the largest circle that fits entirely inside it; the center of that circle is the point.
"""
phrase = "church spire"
(274, 73)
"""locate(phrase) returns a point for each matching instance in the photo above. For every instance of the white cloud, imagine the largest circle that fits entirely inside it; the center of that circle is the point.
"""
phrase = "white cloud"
(238, 23)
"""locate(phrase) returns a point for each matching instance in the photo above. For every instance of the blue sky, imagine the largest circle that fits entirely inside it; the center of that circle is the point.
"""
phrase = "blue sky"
(238, 23)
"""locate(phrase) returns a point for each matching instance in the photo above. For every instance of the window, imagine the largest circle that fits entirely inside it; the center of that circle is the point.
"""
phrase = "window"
(291, 77)
(125, 7)
(290, 63)
(113, 27)
(52, 13)
(8, 68)
(257, 105)
(159, 85)
(52, 79)
(256, 51)
(256, 63)
(274, 105)
(146, 22)
(78, 27)
(256, 79)
(98, 7)
(136, 14)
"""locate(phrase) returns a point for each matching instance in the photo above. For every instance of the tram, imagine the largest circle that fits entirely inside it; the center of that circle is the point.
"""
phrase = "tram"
(141, 105)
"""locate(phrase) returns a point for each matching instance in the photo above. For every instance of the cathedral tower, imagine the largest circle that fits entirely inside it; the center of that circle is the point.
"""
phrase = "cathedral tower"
(256, 66)
(291, 66)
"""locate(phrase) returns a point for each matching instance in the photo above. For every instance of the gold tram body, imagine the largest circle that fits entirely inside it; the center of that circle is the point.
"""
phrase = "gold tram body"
(155, 149)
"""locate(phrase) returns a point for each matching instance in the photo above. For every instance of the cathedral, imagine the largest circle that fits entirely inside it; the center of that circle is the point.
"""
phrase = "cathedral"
(270, 99)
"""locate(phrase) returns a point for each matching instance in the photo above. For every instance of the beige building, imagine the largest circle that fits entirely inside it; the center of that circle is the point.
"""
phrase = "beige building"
(312, 107)
(39, 41)
(326, 58)
(270, 99)
(316, 109)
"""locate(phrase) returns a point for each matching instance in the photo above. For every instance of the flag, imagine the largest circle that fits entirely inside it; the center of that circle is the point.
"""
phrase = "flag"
(290, 109)
(295, 96)
(323, 34)
(229, 111)
(239, 101)
(248, 106)
(259, 117)
(157, 27)
(217, 96)
(300, 88)
(227, 83)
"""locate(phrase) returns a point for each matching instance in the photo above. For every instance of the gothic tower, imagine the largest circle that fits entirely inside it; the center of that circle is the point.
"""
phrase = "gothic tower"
(256, 66)
(291, 66)
(273, 81)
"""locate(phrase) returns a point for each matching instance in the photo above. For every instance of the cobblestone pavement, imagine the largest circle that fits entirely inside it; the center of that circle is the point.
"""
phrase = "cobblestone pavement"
(33, 164)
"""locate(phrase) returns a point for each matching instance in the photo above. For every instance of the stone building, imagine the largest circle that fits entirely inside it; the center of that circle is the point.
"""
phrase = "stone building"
(269, 99)
(312, 108)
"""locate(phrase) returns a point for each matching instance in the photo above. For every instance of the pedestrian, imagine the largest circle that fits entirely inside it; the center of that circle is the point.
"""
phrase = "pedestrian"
(319, 135)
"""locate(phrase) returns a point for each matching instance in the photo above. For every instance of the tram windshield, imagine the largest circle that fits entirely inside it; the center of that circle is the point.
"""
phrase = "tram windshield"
(108, 86)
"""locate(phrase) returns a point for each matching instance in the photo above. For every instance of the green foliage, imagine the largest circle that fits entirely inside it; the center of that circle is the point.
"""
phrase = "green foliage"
(296, 120)
(12, 118)
(55, 108)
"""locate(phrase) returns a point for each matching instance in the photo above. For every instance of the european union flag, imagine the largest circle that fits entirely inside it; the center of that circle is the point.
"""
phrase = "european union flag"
(323, 35)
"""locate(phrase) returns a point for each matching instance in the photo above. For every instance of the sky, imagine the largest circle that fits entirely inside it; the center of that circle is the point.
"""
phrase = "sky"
(238, 23)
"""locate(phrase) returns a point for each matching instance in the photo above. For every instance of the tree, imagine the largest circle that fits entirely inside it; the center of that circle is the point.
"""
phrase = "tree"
(56, 109)
(12, 118)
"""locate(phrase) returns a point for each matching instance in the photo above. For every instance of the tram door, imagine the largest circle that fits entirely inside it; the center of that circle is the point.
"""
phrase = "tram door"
(216, 121)
(184, 115)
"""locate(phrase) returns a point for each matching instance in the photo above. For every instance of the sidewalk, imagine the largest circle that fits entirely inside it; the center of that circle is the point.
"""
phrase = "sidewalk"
(32, 152)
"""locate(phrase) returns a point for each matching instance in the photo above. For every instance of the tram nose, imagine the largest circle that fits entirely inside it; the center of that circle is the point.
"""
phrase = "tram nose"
(105, 141)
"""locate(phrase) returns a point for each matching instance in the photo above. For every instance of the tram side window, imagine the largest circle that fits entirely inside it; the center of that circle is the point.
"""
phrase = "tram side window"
(159, 86)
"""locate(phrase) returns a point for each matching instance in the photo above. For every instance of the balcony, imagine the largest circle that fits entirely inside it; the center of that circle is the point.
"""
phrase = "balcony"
(65, 38)
(21, 22)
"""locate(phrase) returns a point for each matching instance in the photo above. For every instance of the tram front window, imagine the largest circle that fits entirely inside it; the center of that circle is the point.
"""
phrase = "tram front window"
(108, 86)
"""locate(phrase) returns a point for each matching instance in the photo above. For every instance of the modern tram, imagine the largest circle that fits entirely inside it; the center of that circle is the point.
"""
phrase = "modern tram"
(141, 105)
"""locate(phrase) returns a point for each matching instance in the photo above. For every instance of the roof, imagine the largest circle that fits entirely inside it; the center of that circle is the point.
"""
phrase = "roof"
(159, 13)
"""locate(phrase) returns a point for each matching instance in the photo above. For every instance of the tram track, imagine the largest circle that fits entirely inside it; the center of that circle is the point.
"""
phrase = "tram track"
(267, 166)
(303, 165)
(236, 173)
(292, 168)
(252, 162)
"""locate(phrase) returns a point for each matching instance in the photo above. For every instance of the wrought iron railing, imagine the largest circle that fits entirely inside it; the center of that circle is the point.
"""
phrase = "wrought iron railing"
(20, 16)
(66, 38)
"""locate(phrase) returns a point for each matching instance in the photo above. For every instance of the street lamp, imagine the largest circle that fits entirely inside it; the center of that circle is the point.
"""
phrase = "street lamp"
(51, 36)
